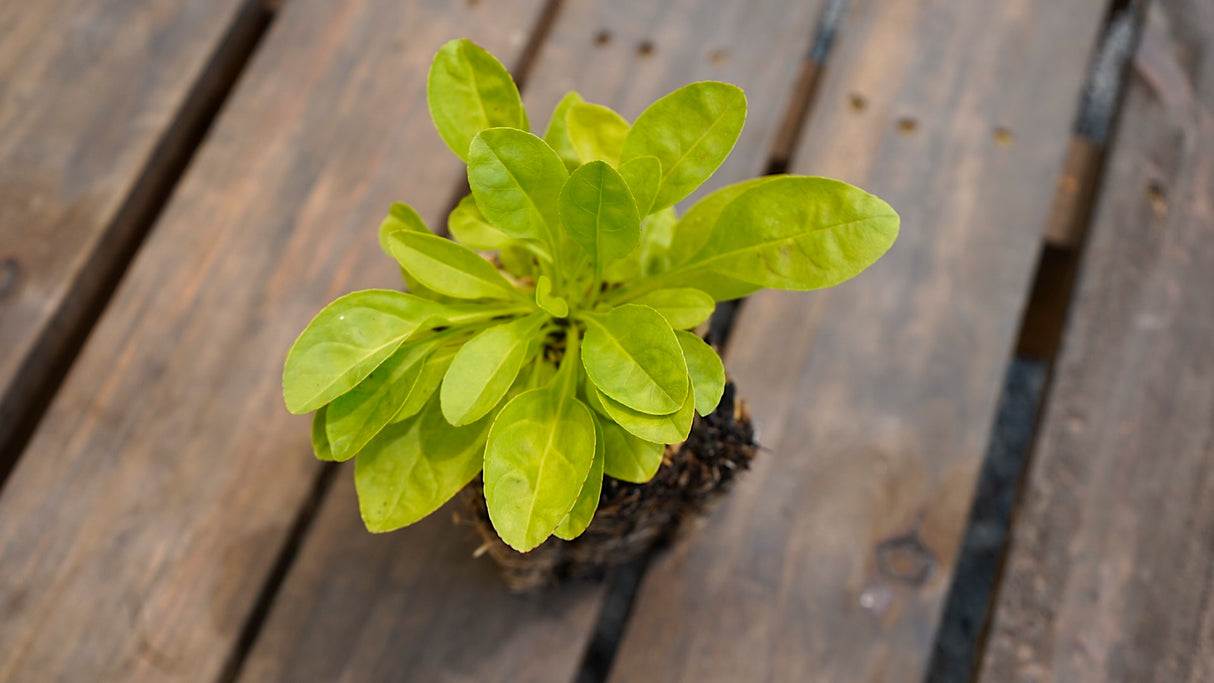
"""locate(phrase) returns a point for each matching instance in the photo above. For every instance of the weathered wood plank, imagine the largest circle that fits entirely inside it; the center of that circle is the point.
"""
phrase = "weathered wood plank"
(416, 605)
(139, 528)
(94, 97)
(831, 560)
(1111, 571)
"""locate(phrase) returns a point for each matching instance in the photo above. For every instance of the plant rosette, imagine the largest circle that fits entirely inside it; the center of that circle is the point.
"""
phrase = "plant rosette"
(569, 358)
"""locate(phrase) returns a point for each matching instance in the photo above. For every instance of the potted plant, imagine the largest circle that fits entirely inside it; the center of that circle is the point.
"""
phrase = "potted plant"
(544, 358)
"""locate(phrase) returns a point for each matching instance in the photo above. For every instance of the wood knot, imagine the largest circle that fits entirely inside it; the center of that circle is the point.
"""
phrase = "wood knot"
(905, 560)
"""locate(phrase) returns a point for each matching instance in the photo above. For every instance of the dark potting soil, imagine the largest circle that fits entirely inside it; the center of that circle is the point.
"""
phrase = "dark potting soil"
(633, 519)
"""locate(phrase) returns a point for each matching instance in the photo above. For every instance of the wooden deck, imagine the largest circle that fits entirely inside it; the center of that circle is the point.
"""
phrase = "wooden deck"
(183, 183)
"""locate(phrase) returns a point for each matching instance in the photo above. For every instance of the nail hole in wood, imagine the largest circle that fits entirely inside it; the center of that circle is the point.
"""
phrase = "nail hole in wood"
(1158, 196)
(905, 560)
(10, 271)
(645, 49)
(907, 125)
(602, 38)
(474, 3)
(718, 57)
(1004, 137)
(858, 102)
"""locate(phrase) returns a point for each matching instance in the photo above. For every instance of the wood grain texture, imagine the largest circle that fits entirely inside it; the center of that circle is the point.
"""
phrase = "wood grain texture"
(1111, 571)
(416, 605)
(138, 529)
(91, 95)
(831, 560)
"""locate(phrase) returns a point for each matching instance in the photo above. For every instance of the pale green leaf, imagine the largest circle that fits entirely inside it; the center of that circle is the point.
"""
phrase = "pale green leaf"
(706, 370)
(469, 227)
(657, 233)
(599, 213)
(517, 259)
(346, 341)
(588, 498)
(517, 179)
(449, 268)
(597, 132)
(644, 178)
(628, 458)
(540, 451)
(468, 91)
(557, 134)
(690, 131)
(412, 467)
(797, 233)
(320, 442)
(427, 382)
(632, 355)
(672, 428)
(683, 308)
(403, 217)
(357, 415)
(554, 305)
(485, 367)
(692, 231)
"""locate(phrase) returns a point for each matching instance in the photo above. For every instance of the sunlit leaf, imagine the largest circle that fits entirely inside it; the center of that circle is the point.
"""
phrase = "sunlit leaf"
(468, 90)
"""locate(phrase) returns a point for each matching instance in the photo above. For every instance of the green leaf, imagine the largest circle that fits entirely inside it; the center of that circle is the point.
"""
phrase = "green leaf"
(517, 259)
(690, 131)
(468, 91)
(412, 467)
(671, 428)
(427, 382)
(597, 132)
(582, 514)
(707, 372)
(357, 415)
(657, 233)
(632, 355)
(693, 230)
(485, 367)
(554, 305)
(320, 442)
(644, 177)
(450, 268)
(627, 457)
(469, 227)
(539, 454)
(557, 134)
(598, 212)
(403, 217)
(683, 308)
(797, 233)
(517, 179)
(347, 340)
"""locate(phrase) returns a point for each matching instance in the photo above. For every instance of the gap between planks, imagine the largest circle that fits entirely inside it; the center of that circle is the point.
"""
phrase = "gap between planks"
(968, 611)
(62, 338)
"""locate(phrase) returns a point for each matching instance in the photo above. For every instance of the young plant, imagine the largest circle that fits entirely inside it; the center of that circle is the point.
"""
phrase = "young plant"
(569, 356)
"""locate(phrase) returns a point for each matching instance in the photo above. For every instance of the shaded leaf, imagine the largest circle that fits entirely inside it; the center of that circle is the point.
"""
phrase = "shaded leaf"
(706, 371)
(552, 304)
(588, 498)
(627, 457)
(469, 227)
(412, 467)
(644, 177)
(357, 415)
(671, 428)
(320, 442)
(484, 368)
